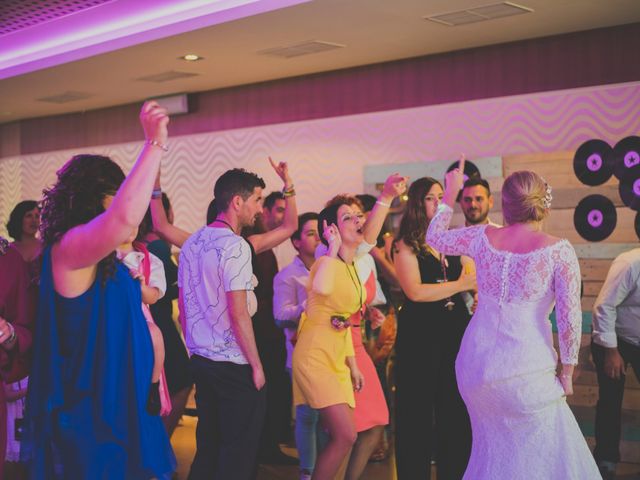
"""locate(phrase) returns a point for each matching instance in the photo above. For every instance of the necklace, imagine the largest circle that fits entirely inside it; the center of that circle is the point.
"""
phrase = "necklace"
(356, 282)
(224, 222)
(443, 265)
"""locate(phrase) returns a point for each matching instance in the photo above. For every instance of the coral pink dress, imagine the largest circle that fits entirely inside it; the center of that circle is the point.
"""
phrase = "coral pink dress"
(371, 407)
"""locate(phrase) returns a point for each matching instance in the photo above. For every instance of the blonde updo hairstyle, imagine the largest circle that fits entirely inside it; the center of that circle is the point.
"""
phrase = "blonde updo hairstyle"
(525, 198)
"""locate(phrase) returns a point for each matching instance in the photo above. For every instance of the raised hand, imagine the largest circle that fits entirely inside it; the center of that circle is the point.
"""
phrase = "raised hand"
(154, 120)
(332, 235)
(282, 170)
(454, 181)
(394, 186)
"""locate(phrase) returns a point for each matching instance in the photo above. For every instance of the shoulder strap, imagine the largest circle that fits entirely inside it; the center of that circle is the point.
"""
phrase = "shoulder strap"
(146, 261)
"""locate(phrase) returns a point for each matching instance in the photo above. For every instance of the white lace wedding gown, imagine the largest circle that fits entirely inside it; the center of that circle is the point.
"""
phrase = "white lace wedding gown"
(506, 368)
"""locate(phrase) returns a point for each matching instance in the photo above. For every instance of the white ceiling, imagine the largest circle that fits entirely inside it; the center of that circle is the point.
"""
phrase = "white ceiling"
(372, 31)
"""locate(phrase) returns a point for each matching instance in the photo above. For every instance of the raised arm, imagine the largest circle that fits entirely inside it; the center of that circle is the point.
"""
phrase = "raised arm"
(568, 311)
(451, 242)
(408, 272)
(394, 186)
(327, 265)
(266, 241)
(458, 241)
(85, 245)
(165, 230)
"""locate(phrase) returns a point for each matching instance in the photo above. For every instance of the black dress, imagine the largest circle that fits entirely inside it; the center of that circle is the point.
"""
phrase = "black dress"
(176, 360)
(430, 414)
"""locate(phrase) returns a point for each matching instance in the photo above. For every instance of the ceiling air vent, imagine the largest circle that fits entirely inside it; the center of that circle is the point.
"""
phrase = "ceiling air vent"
(65, 97)
(16, 15)
(479, 14)
(299, 49)
(166, 76)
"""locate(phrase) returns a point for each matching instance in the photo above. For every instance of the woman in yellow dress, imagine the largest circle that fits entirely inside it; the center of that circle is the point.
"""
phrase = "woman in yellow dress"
(324, 367)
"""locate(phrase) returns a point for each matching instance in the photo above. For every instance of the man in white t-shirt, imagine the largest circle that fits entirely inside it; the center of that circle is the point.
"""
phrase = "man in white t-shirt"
(216, 283)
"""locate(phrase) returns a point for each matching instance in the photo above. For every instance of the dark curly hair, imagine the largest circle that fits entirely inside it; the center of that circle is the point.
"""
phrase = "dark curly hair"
(76, 199)
(414, 223)
(14, 225)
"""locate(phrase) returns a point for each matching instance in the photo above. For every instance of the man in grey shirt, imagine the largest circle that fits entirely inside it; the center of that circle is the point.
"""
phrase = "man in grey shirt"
(615, 344)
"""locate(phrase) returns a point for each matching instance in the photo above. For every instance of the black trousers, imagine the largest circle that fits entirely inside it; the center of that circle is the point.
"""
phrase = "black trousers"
(230, 417)
(608, 409)
(273, 354)
(429, 412)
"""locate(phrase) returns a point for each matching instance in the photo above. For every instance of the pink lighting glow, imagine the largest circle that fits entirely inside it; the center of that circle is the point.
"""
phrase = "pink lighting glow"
(117, 25)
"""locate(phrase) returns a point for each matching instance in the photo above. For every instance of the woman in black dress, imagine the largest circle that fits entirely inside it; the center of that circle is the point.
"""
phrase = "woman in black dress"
(430, 414)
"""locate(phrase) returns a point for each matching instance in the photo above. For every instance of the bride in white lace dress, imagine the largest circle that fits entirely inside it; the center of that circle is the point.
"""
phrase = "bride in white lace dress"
(506, 368)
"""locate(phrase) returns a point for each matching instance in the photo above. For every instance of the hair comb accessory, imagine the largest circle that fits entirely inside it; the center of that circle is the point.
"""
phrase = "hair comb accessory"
(546, 201)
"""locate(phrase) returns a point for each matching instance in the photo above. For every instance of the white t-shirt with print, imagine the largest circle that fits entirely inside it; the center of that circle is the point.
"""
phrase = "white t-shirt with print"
(214, 261)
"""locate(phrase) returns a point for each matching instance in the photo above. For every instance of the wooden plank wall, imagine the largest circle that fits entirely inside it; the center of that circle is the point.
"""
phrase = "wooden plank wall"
(595, 257)
(557, 169)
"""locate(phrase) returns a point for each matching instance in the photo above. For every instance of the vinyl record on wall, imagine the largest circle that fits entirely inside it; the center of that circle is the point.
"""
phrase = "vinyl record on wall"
(626, 156)
(595, 218)
(630, 193)
(593, 162)
(470, 169)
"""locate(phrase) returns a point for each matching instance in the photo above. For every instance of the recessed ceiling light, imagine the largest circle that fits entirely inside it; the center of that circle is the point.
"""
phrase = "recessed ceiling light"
(191, 57)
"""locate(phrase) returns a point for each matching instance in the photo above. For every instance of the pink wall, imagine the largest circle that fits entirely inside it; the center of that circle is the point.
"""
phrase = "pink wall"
(327, 156)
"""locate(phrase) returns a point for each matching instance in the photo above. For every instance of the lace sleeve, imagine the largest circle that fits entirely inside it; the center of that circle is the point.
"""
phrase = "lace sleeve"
(451, 242)
(568, 308)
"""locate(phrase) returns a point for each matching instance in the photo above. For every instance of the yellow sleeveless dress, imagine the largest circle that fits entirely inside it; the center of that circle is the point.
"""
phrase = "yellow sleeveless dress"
(321, 377)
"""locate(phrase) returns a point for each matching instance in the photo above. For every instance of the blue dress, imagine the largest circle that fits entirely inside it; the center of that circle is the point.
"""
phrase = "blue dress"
(93, 358)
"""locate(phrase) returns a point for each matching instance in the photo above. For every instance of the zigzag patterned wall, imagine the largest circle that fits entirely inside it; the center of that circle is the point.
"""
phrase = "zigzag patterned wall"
(327, 156)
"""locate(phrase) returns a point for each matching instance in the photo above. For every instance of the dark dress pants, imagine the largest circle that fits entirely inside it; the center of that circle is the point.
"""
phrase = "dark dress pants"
(230, 417)
(609, 406)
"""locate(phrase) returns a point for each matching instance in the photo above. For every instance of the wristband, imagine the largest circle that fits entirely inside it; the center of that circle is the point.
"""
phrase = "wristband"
(156, 193)
(155, 143)
(383, 204)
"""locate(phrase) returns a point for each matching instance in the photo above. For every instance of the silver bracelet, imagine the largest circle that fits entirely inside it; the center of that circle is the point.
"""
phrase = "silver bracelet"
(155, 143)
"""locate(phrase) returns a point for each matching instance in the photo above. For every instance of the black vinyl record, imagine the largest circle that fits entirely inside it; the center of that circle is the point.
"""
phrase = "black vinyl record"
(595, 218)
(638, 225)
(593, 162)
(470, 169)
(626, 156)
(630, 193)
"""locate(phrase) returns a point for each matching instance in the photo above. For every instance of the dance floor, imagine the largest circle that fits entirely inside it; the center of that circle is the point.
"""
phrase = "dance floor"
(184, 444)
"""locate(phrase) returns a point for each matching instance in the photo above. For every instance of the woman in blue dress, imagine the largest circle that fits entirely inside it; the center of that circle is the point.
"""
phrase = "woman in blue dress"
(88, 413)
